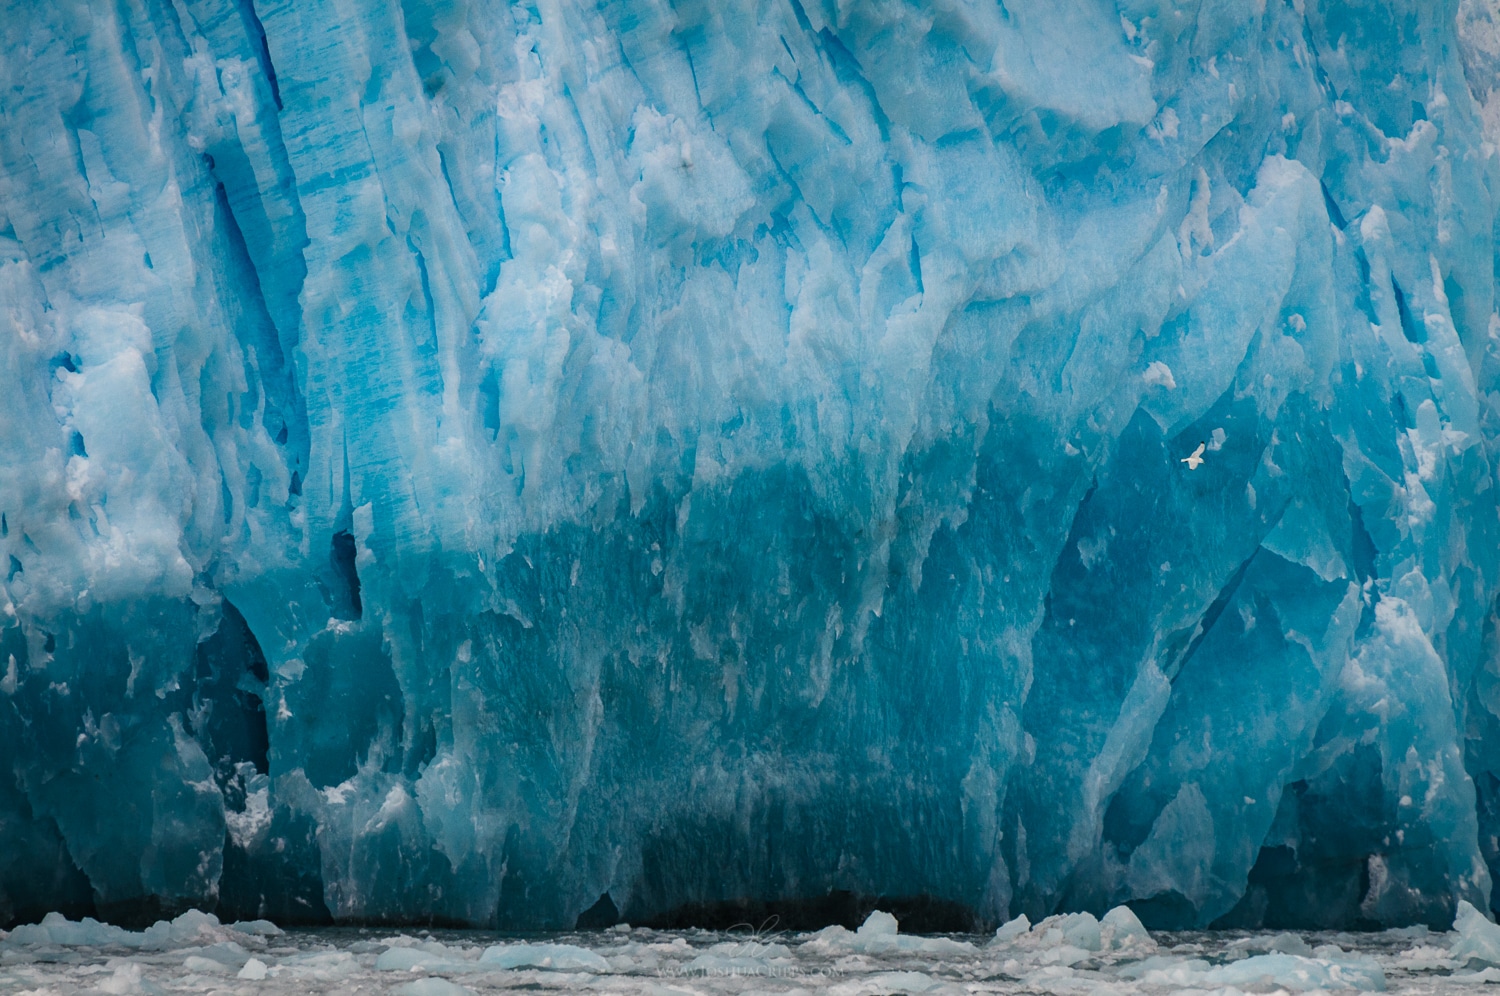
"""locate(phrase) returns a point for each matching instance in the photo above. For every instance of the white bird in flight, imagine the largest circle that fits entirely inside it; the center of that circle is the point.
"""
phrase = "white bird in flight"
(1194, 460)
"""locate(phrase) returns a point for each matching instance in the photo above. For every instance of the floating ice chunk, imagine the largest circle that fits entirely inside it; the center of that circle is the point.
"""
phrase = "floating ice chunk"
(432, 987)
(1067, 939)
(1063, 939)
(835, 939)
(56, 929)
(1286, 971)
(558, 957)
(253, 971)
(889, 982)
(1283, 943)
(751, 948)
(1122, 930)
(1299, 974)
(1012, 929)
(199, 965)
(1166, 970)
(1080, 930)
(1426, 958)
(192, 928)
(402, 959)
(127, 979)
(933, 945)
(742, 958)
(258, 928)
(320, 965)
(228, 954)
(1477, 940)
(879, 934)
(429, 957)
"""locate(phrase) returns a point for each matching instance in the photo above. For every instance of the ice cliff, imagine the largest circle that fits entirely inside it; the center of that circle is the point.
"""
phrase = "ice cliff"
(463, 459)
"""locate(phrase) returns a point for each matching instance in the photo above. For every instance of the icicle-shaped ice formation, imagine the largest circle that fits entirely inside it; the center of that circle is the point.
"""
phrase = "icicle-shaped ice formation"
(465, 459)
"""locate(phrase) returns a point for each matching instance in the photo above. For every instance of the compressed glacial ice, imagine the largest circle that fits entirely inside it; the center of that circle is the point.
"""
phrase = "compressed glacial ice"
(528, 465)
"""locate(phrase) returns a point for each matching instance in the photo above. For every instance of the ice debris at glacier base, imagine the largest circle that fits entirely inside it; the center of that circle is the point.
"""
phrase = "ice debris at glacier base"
(471, 460)
(1069, 953)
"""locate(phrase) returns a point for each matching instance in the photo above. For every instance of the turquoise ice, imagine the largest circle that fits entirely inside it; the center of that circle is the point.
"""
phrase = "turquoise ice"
(465, 459)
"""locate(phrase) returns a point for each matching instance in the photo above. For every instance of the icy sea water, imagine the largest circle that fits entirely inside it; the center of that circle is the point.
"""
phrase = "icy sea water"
(1063, 954)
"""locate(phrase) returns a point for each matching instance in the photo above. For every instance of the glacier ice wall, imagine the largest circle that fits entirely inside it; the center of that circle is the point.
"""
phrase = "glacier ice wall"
(466, 458)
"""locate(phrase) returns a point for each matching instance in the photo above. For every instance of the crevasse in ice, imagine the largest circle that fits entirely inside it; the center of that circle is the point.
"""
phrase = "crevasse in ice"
(464, 459)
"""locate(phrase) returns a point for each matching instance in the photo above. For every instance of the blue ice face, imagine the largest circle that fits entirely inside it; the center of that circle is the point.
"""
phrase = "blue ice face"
(463, 459)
